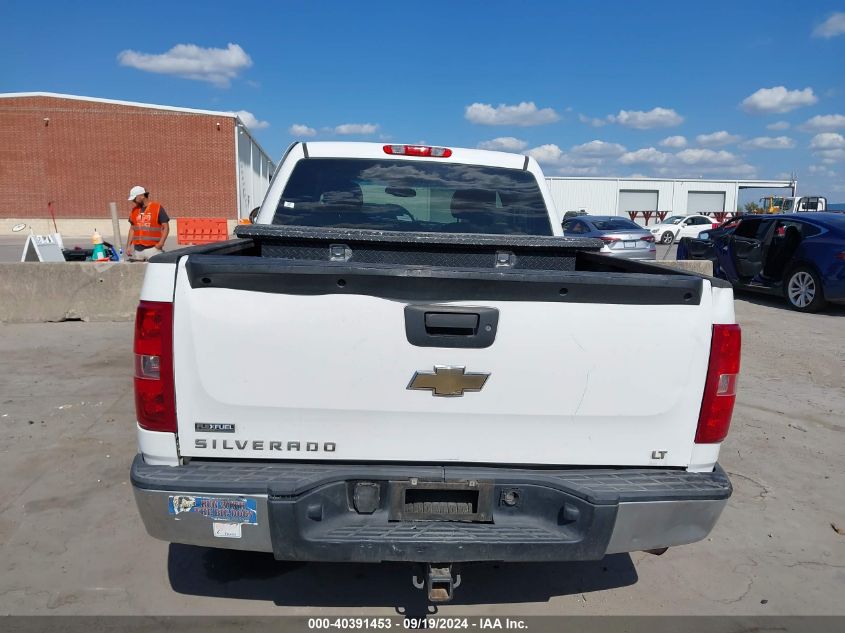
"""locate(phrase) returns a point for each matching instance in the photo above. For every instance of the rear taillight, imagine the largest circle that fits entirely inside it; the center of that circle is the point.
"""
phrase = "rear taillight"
(607, 239)
(418, 150)
(647, 238)
(841, 256)
(720, 389)
(155, 403)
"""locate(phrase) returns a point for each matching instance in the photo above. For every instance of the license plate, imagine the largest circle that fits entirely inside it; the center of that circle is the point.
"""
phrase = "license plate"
(630, 243)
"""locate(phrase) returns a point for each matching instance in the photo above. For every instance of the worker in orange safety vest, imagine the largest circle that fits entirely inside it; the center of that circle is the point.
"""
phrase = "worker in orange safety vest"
(149, 226)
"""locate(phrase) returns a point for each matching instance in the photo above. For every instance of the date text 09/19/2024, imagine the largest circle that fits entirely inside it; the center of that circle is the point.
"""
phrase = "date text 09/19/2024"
(483, 623)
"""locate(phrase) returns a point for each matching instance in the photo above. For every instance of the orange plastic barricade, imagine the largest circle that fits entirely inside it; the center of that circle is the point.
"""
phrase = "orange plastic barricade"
(201, 230)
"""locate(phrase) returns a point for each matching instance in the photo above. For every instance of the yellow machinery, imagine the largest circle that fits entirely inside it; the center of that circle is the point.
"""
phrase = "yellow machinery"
(771, 204)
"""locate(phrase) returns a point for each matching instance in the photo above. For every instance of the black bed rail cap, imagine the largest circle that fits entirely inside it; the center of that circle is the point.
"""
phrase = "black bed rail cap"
(261, 232)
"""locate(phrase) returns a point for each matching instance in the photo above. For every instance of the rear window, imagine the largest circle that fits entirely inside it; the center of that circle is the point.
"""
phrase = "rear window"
(615, 224)
(402, 195)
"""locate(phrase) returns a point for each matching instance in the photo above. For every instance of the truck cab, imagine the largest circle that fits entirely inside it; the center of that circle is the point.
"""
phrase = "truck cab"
(803, 204)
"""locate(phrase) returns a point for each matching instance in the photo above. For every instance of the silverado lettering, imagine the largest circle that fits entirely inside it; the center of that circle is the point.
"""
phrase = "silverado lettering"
(258, 445)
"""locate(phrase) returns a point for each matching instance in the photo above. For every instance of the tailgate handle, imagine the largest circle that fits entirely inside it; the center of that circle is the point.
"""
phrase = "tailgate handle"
(451, 324)
(447, 326)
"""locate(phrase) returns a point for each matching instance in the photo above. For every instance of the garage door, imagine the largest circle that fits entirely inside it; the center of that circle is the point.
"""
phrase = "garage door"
(630, 200)
(705, 202)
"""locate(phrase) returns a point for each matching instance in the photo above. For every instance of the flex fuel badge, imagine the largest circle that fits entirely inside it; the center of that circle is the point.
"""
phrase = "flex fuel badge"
(225, 509)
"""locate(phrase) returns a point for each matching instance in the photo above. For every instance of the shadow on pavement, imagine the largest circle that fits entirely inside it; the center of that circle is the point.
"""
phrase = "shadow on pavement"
(219, 573)
(771, 301)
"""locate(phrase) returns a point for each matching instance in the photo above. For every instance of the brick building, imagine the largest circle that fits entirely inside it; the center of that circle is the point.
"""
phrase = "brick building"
(80, 153)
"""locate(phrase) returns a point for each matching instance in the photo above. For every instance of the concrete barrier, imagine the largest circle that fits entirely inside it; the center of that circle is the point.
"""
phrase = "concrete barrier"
(42, 292)
(700, 266)
(81, 227)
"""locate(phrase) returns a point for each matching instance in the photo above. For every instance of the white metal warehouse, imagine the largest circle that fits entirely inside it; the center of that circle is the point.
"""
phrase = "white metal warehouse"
(642, 198)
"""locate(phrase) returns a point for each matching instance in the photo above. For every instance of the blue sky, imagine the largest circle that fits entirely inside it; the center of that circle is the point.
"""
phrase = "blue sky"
(755, 89)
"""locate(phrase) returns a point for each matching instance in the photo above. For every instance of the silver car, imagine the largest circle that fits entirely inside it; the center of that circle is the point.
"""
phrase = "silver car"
(621, 236)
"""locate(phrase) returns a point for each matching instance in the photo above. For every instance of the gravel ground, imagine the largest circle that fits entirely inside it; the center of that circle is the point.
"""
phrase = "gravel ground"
(71, 541)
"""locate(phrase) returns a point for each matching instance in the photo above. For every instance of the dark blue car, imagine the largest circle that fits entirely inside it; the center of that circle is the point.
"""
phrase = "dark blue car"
(799, 256)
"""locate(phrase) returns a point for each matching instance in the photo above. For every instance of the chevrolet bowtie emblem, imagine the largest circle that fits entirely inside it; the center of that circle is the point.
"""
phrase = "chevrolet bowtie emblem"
(448, 381)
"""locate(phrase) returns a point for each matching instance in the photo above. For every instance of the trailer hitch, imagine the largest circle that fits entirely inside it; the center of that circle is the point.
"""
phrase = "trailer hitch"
(439, 582)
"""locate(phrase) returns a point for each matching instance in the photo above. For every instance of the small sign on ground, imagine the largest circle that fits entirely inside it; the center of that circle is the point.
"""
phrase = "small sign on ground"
(43, 248)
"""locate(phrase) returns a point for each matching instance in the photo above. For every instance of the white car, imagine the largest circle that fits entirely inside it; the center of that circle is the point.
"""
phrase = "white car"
(677, 226)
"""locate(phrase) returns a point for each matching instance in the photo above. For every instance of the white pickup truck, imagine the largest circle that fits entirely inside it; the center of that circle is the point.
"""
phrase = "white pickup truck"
(404, 360)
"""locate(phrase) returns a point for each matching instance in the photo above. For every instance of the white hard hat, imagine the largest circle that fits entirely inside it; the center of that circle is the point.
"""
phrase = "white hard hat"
(136, 191)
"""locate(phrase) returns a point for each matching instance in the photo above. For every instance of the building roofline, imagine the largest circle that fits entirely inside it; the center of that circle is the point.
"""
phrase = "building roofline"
(246, 130)
(136, 104)
(738, 181)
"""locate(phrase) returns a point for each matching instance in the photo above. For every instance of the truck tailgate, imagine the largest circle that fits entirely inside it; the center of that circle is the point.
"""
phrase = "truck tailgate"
(292, 361)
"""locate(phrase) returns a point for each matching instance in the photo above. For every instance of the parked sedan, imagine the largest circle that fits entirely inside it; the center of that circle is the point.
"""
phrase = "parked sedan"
(621, 236)
(800, 257)
(677, 226)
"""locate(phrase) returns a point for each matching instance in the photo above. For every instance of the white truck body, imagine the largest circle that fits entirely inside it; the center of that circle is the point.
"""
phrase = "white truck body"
(272, 375)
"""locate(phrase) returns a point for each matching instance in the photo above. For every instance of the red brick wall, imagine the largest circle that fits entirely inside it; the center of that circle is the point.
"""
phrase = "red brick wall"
(90, 154)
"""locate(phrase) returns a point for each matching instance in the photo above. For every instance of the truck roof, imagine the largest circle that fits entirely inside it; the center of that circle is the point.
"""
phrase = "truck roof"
(333, 149)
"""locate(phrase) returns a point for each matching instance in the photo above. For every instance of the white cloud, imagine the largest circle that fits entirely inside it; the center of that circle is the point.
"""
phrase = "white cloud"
(522, 115)
(769, 142)
(579, 171)
(588, 159)
(599, 148)
(778, 100)
(717, 139)
(823, 122)
(218, 66)
(833, 26)
(820, 169)
(504, 144)
(648, 155)
(592, 121)
(690, 163)
(251, 121)
(657, 117)
(707, 157)
(355, 128)
(298, 129)
(549, 153)
(830, 156)
(829, 147)
(740, 170)
(778, 126)
(678, 142)
(828, 140)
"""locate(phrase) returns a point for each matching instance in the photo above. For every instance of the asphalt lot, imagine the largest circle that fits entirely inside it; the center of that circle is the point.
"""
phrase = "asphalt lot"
(71, 541)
